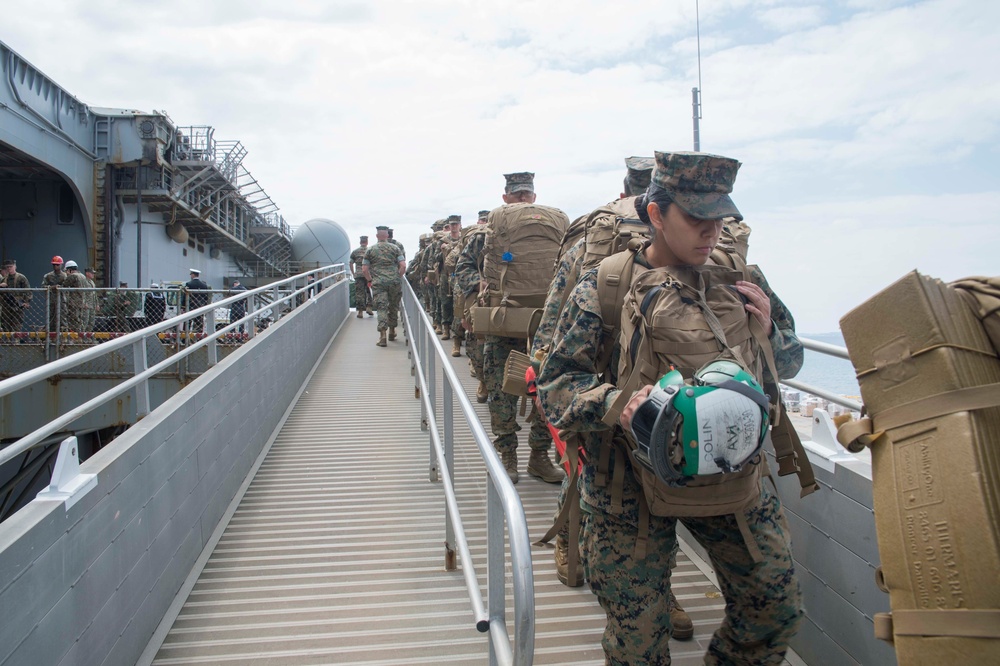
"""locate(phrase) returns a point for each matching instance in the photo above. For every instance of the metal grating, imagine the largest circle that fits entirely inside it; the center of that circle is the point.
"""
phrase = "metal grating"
(336, 552)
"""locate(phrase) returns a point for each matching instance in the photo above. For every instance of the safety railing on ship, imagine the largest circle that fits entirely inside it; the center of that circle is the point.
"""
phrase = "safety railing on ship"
(281, 297)
(42, 325)
(502, 501)
(830, 350)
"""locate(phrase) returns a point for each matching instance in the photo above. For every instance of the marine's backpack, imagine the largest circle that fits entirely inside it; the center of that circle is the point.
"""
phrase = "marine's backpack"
(522, 242)
(684, 318)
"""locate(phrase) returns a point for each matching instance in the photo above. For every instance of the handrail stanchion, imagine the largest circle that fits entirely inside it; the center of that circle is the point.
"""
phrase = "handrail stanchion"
(213, 349)
(48, 324)
(431, 359)
(141, 389)
(495, 576)
(449, 470)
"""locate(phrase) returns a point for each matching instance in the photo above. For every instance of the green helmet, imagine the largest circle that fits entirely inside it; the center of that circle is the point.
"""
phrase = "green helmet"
(711, 424)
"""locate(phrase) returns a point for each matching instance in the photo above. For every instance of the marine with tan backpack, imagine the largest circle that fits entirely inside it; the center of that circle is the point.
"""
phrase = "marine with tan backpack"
(680, 315)
(468, 278)
(522, 241)
(927, 356)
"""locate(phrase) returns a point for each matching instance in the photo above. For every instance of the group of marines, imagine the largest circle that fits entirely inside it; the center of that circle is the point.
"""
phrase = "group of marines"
(682, 202)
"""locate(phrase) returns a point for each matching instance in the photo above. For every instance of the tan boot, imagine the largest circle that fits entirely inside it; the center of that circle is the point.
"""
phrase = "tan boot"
(381, 339)
(683, 628)
(472, 368)
(509, 460)
(360, 314)
(482, 395)
(456, 347)
(392, 333)
(562, 564)
(437, 328)
(540, 466)
(369, 311)
(446, 334)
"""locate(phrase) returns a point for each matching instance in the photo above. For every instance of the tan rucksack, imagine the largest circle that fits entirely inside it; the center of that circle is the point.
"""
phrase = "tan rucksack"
(687, 317)
(522, 242)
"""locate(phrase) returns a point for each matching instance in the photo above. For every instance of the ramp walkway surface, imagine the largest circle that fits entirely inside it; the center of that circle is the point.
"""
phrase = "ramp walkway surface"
(335, 554)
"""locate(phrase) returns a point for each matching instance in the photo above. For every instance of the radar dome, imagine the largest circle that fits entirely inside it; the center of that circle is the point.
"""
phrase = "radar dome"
(322, 241)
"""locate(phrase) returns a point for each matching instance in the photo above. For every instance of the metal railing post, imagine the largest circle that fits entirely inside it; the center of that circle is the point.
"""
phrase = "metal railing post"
(432, 406)
(141, 390)
(449, 469)
(48, 324)
(213, 349)
(495, 573)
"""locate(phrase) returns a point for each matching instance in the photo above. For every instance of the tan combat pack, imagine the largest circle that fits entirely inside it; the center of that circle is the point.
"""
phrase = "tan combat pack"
(522, 242)
(930, 379)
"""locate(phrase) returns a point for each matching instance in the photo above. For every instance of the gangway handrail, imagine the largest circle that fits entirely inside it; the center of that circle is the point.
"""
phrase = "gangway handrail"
(829, 350)
(137, 340)
(502, 501)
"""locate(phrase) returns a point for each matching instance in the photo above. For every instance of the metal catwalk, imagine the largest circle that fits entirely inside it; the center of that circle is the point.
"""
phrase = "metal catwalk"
(336, 555)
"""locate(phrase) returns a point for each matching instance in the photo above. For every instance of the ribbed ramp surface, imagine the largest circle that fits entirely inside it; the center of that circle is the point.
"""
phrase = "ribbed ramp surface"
(336, 552)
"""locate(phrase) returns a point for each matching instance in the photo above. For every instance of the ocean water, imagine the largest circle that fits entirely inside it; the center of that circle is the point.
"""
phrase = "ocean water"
(828, 372)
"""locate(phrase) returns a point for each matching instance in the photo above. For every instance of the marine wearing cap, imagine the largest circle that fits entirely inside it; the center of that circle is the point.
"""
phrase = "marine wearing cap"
(640, 169)
(699, 183)
(522, 181)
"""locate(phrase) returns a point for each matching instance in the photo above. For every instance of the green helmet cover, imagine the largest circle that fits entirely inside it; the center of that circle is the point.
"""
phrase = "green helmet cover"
(711, 424)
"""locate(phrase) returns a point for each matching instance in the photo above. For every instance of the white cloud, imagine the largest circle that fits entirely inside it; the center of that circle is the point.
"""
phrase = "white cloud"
(792, 18)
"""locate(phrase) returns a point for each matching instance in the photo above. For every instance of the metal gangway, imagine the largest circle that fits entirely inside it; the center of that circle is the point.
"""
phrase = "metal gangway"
(372, 524)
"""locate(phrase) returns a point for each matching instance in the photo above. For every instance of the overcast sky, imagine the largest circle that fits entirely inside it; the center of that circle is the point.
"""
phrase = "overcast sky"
(867, 129)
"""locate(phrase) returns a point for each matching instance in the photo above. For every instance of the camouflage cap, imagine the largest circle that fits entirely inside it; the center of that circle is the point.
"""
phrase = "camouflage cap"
(364, 239)
(483, 214)
(454, 219)
(522, 181)
(438, 225)
(699, 183)
(382, 227)
(639, 171)
(9, 262)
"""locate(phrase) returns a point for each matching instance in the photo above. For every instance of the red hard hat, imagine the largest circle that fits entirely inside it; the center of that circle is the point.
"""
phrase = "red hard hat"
(57, 259)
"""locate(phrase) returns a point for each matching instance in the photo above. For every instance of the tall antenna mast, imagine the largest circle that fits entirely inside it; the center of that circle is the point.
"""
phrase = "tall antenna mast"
(696, 92)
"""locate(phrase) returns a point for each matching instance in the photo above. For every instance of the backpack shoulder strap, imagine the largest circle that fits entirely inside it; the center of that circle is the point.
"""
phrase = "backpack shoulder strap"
(614, 277)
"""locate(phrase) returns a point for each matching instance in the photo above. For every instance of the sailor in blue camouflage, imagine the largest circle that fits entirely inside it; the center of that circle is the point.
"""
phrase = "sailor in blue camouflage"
(763, 600)
(384, 265)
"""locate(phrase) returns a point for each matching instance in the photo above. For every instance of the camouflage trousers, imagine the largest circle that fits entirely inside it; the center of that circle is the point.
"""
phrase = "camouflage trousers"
(435, 309)
(503, 406)
(386, 299)
(447, 304)
(362, 299)
(763, 600)
(474, 349)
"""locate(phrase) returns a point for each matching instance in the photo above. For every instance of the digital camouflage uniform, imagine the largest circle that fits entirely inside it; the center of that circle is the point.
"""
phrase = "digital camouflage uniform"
(73, 302)
(13, 303)
(468, 273)
(53, 279)
(763, 600)
(362, 297)
(383, 260)
(446, 300)
(89, 306)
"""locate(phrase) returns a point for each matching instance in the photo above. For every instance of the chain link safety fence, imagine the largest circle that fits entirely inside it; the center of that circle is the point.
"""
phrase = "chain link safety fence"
(41, 325)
